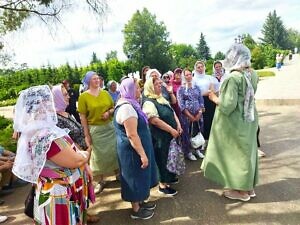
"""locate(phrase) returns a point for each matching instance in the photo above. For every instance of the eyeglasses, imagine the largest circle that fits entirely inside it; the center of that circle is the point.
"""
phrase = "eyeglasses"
(166, 78)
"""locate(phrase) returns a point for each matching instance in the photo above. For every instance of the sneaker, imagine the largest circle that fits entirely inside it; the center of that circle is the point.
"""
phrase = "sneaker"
(142, 213)
(199, 154)
(3, 218)
(191, 157)
(236, 195)
(167, 191)
(147, 205)
(99, 187)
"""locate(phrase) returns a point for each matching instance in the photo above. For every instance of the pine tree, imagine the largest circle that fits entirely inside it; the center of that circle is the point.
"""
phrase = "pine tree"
(274, 32)
(202, 49)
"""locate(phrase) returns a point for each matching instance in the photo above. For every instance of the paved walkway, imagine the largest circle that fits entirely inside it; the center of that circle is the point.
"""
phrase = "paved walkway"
(282, 89)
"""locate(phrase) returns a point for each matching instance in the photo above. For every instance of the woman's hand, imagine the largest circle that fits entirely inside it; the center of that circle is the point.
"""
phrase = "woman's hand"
(174, 133)
(169, 89)
(213, 97)
(89, 172)
(198, 116)
(144, 161)
(105, 116)
(88, 140)
(179, 129)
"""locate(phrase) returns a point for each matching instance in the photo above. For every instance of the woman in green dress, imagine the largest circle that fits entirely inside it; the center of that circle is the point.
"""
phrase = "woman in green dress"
(231, 157)
(96, 108)
(164, 125)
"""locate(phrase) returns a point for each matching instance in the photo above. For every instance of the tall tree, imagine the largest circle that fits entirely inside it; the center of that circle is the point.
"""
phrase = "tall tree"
(183, 55)
(294, 38)
(274, 32)
(249, 41)
(203, 49)
(111, 55)
(146, 42)
(219, 56)
(94, 58)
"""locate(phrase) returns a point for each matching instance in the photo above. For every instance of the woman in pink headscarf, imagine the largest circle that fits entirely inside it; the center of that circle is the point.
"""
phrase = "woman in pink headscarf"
(176, 84)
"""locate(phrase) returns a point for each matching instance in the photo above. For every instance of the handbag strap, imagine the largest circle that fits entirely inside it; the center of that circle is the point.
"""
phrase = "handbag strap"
(192, 128)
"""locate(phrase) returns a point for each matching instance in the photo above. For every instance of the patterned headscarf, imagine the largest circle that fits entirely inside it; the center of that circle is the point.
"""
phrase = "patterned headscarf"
(127, 91)
(238, 57)
(86, 80)
(58, 97)
(149, 92)
(36, 119)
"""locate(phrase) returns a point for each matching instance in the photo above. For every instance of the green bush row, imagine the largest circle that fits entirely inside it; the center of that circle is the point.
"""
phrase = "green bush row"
(6, 131)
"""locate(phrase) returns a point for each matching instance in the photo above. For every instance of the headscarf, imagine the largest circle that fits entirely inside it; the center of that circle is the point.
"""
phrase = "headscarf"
(36, 119)
(127, 91)
(58, 98)
(109, 83)
(149, 93)
(87, 78)
(148, 74)
(238, 57)
(176, 84)
(195, 72)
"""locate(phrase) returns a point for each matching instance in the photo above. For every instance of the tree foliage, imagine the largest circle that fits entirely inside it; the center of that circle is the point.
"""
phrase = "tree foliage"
(146, 42)
(274, 32)
(249, 41)
(183, 55)
(14, 12)
(219, 56)
(202, 48)
(294, 38)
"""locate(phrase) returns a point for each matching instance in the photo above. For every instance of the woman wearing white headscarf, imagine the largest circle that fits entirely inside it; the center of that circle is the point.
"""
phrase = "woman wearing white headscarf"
(47, 157)
(204, 83)
(231, 156)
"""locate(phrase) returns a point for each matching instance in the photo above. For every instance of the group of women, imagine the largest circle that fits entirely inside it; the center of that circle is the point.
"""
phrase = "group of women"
(130, 137)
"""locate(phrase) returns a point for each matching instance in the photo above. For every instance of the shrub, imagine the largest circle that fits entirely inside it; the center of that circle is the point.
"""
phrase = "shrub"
(6, 131)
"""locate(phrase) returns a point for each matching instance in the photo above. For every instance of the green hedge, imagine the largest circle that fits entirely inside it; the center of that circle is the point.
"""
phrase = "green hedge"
(6, 131)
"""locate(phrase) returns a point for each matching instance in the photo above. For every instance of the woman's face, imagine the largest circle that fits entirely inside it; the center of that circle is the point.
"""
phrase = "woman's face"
(137, 91)
(200, 68)
(157, 86)
(65, 94)
(95, 81)
(177, 76)
(113, 87)
(154, 75)
(188, 76)
(218, 67)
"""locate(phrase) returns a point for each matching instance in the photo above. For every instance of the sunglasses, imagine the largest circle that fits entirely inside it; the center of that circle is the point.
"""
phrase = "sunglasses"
(166, 78)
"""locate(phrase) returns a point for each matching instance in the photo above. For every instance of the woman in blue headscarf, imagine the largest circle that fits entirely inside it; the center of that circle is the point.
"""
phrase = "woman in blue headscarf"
(96, 108)
(135, 150)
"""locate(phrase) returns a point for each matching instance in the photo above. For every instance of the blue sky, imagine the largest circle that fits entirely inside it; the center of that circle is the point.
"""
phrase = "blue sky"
(220, 21)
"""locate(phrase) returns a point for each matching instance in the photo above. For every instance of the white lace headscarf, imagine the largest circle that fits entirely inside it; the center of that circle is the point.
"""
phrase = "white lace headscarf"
(238, 57)
(35, 117)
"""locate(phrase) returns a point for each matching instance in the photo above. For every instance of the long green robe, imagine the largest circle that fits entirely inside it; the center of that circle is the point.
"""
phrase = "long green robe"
(231, 157)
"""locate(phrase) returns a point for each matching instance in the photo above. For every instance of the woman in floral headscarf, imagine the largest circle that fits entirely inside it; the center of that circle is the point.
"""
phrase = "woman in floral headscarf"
(47, 157)
(231, 156)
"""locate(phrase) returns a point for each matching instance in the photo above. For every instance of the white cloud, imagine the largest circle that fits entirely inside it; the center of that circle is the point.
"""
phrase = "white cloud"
(219, 20)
